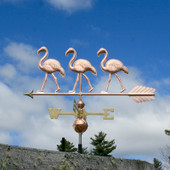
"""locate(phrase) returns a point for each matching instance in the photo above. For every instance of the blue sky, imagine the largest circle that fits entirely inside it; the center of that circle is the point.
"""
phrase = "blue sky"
(135, 32)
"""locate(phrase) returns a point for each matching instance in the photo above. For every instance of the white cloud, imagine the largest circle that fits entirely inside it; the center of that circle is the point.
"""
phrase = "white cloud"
(7, 72)
(5, 137)
(167, 81)
(66, 5)
(71, 5)
(24, 55)
(75, 42)
(99, 31)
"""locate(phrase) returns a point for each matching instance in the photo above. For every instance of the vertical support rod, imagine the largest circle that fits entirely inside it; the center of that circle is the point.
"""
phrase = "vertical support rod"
(80, 85)
(80, 82)
(80, 97)
(80, 150)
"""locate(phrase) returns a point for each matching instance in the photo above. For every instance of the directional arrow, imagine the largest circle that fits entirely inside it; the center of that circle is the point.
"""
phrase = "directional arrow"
(138, 94)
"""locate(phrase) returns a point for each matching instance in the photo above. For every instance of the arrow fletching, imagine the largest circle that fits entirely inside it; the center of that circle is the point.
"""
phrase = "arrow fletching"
(142, 94)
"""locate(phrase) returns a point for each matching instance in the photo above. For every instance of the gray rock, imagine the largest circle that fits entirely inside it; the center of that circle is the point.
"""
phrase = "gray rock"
(19, 158)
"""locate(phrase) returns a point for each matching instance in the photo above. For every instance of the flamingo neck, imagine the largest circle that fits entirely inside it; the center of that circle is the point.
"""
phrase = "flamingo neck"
(71, 61)
(42, 59)
(103, 61)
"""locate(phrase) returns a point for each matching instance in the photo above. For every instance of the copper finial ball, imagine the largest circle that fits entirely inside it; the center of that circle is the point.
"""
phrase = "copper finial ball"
(80, 125)
(80, 104)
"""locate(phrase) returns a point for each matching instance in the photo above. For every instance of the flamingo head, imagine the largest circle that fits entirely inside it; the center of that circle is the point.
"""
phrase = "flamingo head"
(101, 51)
(42, 49)
(70, 50)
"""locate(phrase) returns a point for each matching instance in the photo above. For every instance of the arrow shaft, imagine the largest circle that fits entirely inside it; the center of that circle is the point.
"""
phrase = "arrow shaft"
(93, 94)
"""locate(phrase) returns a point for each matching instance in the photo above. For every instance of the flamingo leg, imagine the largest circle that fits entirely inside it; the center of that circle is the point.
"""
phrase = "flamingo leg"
(75, 84)
(108, 82)
(91, 88)
(44, 82)
(55, 79)
(123, 89)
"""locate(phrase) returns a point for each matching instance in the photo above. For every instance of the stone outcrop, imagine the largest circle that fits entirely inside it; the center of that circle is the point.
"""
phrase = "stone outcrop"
(18, 158)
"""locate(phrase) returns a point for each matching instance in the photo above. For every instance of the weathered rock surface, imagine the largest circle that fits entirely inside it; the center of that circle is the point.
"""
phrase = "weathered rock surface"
(18, 158)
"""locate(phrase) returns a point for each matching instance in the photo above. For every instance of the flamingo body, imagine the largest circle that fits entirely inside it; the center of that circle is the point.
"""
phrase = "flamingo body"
(80, 66)
(112, 66)
(52, 66)
(49, 66)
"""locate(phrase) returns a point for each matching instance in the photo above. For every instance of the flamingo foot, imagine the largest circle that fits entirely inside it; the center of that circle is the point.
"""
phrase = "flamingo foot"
(40, 91)
(57, 90)
(122, 90)
(71, 91)
(90, 90)
(104, 92)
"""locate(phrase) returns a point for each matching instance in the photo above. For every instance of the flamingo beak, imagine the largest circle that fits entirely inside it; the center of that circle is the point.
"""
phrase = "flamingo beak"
(67, 52)
(99, 52)
(38, 52)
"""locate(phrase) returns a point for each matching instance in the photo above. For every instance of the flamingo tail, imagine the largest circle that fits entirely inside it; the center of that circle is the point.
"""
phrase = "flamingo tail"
(93, 70)
(62, 72)
(125, 70)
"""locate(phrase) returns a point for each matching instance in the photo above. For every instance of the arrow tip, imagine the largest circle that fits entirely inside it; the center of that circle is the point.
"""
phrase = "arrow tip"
(30, 94)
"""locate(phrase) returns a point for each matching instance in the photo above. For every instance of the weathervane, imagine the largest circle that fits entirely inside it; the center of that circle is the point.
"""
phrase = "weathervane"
(138, 93)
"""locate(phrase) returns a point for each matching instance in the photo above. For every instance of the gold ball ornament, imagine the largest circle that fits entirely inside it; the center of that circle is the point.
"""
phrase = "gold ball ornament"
(80, 104)
(80, 125)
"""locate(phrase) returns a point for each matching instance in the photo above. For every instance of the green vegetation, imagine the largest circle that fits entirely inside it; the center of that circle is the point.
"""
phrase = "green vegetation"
(69, 147)
(167, 132)
(3, 164)
(157, 164)
(113, 162)
(54, 167)
(84, 151)
(101, 146)
(39, 159)
(165, 156)
(15, 164)
(8, 154)
(35, 165)
(65, 166)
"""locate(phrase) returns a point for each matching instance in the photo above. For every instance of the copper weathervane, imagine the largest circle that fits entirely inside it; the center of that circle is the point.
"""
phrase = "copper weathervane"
(113, 66)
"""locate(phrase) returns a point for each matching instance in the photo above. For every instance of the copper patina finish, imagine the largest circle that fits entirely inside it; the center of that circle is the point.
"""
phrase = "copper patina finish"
(80, 66)
(80, 104)
(138, 94)
(112, 66)
(80, 125)
(50, 66)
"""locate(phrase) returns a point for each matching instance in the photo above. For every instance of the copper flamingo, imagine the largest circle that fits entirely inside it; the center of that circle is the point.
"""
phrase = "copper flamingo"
(80, 66)
(49, 66)
(112, 66)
